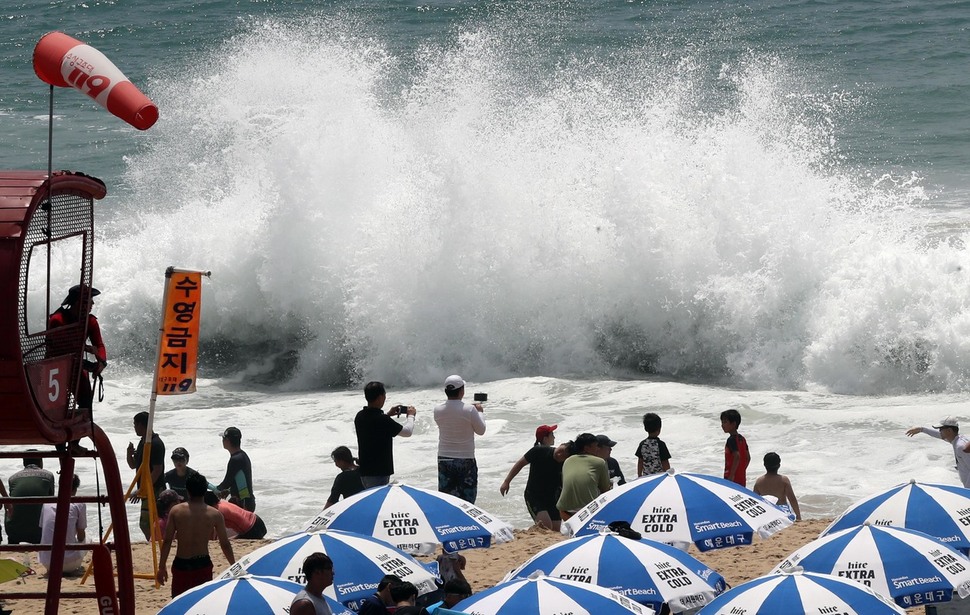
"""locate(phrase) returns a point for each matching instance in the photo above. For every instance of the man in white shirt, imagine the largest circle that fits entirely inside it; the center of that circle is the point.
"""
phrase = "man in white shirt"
(458, 423)
(77, 522)
(949, 430)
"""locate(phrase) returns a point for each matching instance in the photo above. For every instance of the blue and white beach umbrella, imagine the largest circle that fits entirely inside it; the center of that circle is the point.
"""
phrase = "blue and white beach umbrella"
(907, 566)
(942, 511)
(680, 509)
(251, 595)
(796, 591)
(542, 594)
(360, 563)
(645, 571)
(415, 520)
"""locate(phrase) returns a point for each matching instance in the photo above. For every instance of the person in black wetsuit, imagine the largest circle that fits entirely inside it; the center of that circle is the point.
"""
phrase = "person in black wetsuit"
(238, 483)
(156, 468)
(175, 478)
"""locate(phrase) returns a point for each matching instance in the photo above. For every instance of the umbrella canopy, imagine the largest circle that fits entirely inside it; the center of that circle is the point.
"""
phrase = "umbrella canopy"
(12, 569)
(646, 571)
(681, 509)
(942, 511)
(415, 520)
(908, 566)
(361, 562)
(248, 594)
(541, 594)
(796, 591)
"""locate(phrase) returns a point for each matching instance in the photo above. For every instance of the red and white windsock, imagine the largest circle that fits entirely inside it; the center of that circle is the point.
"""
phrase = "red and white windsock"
(67, 62)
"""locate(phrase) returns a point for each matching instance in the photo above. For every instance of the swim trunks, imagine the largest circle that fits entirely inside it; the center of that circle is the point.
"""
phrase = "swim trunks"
(458, 477)
(189, 572)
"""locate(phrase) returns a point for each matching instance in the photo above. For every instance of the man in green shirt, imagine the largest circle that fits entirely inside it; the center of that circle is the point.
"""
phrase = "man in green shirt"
(584, 476)
(23, 520)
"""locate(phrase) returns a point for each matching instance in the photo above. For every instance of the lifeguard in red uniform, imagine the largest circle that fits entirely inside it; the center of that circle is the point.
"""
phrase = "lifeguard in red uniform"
(78, 301)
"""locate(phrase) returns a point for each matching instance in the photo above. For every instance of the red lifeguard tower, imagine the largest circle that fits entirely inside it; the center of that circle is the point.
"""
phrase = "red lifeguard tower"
(48, 221)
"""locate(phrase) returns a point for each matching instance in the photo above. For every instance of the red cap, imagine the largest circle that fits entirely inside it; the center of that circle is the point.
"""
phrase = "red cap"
(544, 430)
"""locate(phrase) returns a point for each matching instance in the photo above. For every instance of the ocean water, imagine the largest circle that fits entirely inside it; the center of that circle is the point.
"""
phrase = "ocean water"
(589, 209)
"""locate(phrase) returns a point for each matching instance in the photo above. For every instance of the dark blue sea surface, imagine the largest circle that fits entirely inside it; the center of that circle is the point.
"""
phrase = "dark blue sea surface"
(904, 64)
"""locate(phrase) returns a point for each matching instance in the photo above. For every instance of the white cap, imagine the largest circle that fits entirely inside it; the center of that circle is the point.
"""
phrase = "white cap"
(948, 422)
(454, 382)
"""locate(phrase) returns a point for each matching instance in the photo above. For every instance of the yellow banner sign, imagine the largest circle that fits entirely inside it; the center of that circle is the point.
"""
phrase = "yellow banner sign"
(179, 341)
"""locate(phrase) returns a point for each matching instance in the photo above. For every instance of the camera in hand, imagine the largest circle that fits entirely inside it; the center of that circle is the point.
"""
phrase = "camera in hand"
(400, 409)
(481, 396)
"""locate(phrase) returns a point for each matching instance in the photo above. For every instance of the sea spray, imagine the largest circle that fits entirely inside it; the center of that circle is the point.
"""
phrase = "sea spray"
(495, 218)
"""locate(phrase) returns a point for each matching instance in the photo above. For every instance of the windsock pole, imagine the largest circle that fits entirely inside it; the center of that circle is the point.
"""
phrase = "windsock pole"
(50, 202)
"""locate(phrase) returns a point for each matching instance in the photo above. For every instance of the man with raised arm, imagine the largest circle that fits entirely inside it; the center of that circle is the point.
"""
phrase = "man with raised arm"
(949, 431)
(458, 424)
(156, 464)
(376, 431)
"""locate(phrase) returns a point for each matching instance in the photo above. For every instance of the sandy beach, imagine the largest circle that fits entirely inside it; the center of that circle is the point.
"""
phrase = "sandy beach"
(485, 567)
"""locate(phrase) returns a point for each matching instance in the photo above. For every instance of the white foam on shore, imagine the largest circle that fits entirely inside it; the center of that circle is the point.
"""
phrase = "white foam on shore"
(836, 449)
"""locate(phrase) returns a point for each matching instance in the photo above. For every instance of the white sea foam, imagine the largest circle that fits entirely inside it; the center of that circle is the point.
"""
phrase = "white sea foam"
(835, 449)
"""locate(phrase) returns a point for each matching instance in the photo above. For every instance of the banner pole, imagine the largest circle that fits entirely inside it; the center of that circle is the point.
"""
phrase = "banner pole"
(145, 471)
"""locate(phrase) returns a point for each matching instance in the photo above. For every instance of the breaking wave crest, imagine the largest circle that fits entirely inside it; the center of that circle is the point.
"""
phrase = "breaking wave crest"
(472, 209)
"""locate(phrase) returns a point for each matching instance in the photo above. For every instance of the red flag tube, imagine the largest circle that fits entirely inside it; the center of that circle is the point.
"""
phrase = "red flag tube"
(63, 61)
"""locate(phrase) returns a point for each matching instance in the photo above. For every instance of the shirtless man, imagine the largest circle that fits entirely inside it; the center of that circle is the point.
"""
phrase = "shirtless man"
(192, 523)
(777, 486)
